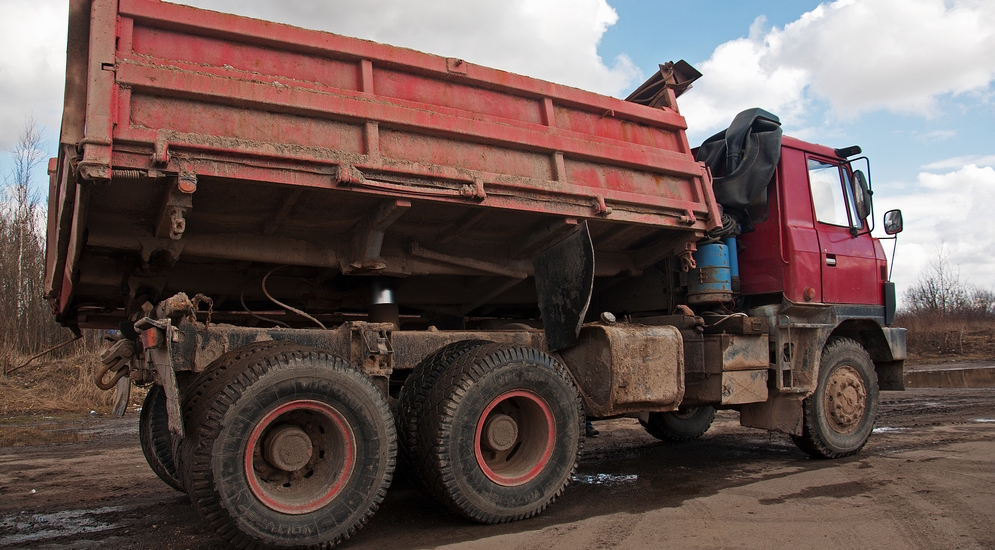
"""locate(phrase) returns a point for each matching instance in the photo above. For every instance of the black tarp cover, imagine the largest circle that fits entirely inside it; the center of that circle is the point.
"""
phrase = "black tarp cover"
(742, 159)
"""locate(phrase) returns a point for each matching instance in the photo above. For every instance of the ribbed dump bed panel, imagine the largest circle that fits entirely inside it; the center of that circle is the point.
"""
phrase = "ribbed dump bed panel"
(316, 143)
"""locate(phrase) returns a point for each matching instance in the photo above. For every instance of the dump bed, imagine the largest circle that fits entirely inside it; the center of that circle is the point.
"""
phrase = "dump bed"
(200, 150)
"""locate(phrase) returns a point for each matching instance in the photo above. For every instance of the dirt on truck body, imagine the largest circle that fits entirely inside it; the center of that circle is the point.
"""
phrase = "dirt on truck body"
(323, 254)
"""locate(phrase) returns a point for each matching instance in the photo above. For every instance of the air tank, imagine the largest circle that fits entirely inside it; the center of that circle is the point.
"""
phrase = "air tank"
(710, 282)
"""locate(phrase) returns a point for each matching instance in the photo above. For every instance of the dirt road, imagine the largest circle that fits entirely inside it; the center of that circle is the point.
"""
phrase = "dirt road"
(925, 480)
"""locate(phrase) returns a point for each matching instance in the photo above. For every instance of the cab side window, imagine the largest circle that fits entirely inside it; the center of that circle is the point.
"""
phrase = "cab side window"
(832, 194)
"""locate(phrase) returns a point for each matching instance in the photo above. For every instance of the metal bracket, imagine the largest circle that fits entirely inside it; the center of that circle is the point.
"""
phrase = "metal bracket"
(456, 66)
(160, 361)
(377, 342)
(369, 236)
(372, 348)
(600, 207)
(176, 202)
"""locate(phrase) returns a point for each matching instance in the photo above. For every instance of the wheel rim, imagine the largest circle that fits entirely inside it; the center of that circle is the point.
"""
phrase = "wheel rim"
(299, 456)
(845, 399)
(515, 437)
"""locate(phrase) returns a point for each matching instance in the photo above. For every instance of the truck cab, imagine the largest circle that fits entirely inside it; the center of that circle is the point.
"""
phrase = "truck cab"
(814, 246)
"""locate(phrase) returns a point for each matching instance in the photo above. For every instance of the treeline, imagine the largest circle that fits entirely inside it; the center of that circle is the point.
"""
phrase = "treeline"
(947, 317)
(27, 325)
(940, 293)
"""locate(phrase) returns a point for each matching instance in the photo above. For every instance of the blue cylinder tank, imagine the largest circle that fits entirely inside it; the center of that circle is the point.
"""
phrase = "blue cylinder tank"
(711, 280)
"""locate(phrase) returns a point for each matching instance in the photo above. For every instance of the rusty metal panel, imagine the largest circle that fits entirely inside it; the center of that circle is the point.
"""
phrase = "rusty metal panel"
(728, 388)
(728, 352)
(628, 368)
(255, 110)
(783, 413)
(744, 386)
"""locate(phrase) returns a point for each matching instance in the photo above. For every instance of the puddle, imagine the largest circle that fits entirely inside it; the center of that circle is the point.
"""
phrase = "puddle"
(26, 527)
(39, 434)
(604, 479)
(26, 431)
(984, 420)
(887, 430)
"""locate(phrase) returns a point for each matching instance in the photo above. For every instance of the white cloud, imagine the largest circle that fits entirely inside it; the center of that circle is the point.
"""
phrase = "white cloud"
(953, 210)
(32, 67)
(859, 55)
(737, 77)
(555, 40)
(957, 162)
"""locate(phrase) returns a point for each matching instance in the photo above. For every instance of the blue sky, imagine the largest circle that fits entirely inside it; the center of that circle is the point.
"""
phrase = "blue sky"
(910, 81)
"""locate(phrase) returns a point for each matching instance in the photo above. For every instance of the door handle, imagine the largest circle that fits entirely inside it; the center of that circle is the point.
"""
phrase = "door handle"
(831, 260)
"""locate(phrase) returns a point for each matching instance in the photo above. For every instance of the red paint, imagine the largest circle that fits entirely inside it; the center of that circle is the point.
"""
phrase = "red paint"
(255, 101)
(787, 253)
(537, 468)
(348, 449)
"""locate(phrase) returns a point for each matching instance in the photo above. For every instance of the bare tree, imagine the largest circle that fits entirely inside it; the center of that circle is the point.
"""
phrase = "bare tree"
(27, 155)
(940, 292)
(26, 322)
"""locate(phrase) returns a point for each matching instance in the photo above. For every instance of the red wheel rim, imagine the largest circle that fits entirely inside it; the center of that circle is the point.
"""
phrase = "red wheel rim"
(283, 473)
(514, 438)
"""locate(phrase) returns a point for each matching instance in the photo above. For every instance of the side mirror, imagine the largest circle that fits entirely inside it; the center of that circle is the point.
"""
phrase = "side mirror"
(893, 222)
(861, 195)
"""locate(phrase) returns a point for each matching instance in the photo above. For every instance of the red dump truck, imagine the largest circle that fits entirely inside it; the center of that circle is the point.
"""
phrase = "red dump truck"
(321, 253)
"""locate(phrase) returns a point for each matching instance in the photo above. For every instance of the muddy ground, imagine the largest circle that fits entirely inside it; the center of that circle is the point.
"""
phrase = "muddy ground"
(925, 480)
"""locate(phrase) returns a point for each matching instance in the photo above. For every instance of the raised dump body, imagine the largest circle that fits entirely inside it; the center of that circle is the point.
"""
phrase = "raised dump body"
(200, 150)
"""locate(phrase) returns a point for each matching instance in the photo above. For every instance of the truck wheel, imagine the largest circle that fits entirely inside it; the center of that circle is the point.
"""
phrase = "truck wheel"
(157, 442)
(504, 435)
(208, 382)
(295, 449)
(411, 404)
(684, 424)
(840, 415)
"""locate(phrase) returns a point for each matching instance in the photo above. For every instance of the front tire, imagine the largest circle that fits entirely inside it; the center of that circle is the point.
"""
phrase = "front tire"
(296, 450)
(839, 416)
(504, 434)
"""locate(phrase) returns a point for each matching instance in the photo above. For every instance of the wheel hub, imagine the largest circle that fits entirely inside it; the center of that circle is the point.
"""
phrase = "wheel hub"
(845, 399)
(287, 448)
(299, 456)
(500, 432)
(514, 438)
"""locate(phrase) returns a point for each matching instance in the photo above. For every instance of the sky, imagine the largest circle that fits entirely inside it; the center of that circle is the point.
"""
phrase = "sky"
(910, 81)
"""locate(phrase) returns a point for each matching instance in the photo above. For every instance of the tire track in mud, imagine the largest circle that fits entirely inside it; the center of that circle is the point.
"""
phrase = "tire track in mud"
(630, 490)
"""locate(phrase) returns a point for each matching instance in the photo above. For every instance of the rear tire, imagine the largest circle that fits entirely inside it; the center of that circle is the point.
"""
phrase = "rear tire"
(685, 424)
(412, 402)
(294, 448)
(839, 416)
(155, 438)
(504, 435)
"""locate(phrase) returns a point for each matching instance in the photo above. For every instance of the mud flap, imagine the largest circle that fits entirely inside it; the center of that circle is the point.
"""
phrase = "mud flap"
(564, 275)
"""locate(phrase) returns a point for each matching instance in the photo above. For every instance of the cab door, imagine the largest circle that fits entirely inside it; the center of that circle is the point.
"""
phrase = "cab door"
(849, 263)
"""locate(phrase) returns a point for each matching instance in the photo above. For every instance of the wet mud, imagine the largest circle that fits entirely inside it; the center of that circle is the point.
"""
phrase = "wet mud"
(925, 479)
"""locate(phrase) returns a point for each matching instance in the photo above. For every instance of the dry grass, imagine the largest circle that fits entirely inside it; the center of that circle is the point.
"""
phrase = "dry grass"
(61, 386)
(934, 338)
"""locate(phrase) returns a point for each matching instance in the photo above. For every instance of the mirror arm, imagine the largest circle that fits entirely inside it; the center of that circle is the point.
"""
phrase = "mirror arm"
(894, 249)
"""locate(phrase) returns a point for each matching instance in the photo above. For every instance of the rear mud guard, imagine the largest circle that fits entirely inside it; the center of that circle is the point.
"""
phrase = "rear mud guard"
(564, 275)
